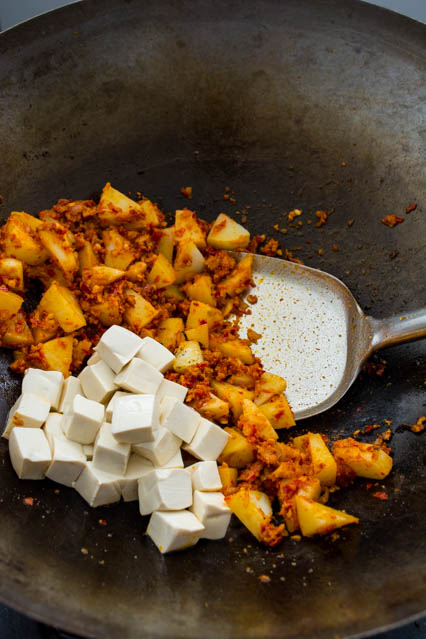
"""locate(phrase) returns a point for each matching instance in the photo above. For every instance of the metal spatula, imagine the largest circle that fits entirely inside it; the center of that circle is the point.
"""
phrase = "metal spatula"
(314, 334)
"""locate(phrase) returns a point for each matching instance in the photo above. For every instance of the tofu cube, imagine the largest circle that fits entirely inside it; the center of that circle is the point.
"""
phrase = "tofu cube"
(118, 346)
(68, 461)
(174, 462)
(156, 354)
(83, 420)
(208, 442)
(97, 487)
(110, 407)
(44, 384)
(171, 389)
(54, 428)
(213, 513)
(70, 389)
(94, 359)
(97, 382)
(165, 489)
(29, 452)
(135, 418)
(109, 455)
(164, 446)
(29, 411)
(88, 451)
(139, 377)
(136, 469)
(174, 530)
(180, 419)
(205, 476)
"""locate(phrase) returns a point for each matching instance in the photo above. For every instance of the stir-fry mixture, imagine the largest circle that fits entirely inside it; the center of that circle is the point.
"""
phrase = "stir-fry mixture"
(156, 310)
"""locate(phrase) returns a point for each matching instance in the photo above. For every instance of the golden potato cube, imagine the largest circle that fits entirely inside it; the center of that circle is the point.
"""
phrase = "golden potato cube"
(234, 348)
(136, 272)
(227, 234)
(234, 395)
(241, 379)
(108, 311)
(268, 386)
(12, 273)
(201, 289)
(253, 509)
(301, 443)
(215, 408)
(228, 476)
(366, 460)
(87, 257)
(44, 325)
(279, 412)
(317, 519)
(118, 251)
(22, 242)
(200, 313)
(174, 292)
(255, 423)
(10, 303)
(140, 313)
(56, 240)
(17, 333)
(116, 209)
(324, 465)
(239, 279)
(188, 228)
(188, 354)
(238, 452)
(199, 334)
(162, 273)
(167, 243)
(170, 332)
(101, 276)
(64, 306)
(56, 354)
(188, 261)
(31, 222)
(288, 490)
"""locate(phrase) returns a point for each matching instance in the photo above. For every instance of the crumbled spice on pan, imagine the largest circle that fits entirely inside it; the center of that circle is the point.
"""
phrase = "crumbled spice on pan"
(392, 220)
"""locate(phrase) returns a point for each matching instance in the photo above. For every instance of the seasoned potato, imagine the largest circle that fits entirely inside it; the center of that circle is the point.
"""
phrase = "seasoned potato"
(55, 355)
(253, 509)
(268, 386)
(139, 312)
(21, 240)
(56, 240)
(317, 519)
(289, 489)
(64, 306)
(279, 412)
(200, 313)
(239, 279)
(10, 303)
(199, 334)
(228, 476)
(17, 332)
(188, 261)
(188, 354)
(100, 276)
(324, 465)
(188, 228)
(234, 395)
(116, 209)
(118, 251)
(201, 289)
(167, 243)
(170, 332)
(215, 408)
(108, 311)
(227, 234)
(12, 274)
(234, 348)
(86, 256)
(162, 273)
(366, 460)
(238, 452)
(254, 423)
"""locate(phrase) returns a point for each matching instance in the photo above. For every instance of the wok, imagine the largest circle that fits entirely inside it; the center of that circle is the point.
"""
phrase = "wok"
(268, 98)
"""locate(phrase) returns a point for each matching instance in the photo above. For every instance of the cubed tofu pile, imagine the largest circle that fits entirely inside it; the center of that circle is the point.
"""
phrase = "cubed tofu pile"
(117, 432)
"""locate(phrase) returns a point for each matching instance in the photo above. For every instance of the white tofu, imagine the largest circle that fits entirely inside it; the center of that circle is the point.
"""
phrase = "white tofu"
(44, 384)
(136, 469)
(54, 428)
(118, 346)
(109, 455)
(29, 411)
(180, 419)
(83, 420)
(68, 461)
(205, 476)
(164, 489)
(88, 451)
(97, 382)
(29, 452)
(110, 407)
(70, 389)
(208, 442)
(135, 418)
(156, 354)
(213, 513)
(171, 389)
(97, 487)
(139, 377)
(164, 446)
(93, 359)
(174, 462)
(174, 530)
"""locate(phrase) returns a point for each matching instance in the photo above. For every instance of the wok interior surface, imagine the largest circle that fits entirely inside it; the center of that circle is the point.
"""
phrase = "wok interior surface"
(268, 98)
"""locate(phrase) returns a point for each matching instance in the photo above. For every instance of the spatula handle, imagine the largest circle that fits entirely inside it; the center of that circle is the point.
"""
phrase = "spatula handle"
(406, 327)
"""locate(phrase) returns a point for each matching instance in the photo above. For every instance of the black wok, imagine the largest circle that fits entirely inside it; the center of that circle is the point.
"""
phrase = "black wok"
(269, 98)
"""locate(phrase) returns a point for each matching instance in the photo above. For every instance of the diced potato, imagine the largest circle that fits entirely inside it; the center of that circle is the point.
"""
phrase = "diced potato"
(136, 272)
(140, 313)
(241, 379)
(174, 292)
(56, 355)
(239, 279)
(21, 241)
(317, 519)
(48, 273)
(188, 261)
(267, 386)
(228, 476)
(278, 411)
(17, 333)
(64, 306)
(167, 243)
(215, 408)
(324, 465)
(31, 222)
(188, 354)
(234, 348)
(118, 251)
(301, 443)
(108, 311)
(87, 257)
(10, 303)
(56, 240)
(80, 351)
(253, 509)
(199, 334)
(238, 452)
(116, 209)
(366, 460)
(227, 234)
(288, 490)
(201, 289)
(254, 423)
(162, 273)
(100, 276)
(170, 332)
(188, 228)
(12, 273)
(200, 313)
(44, 325)
(234, 395)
